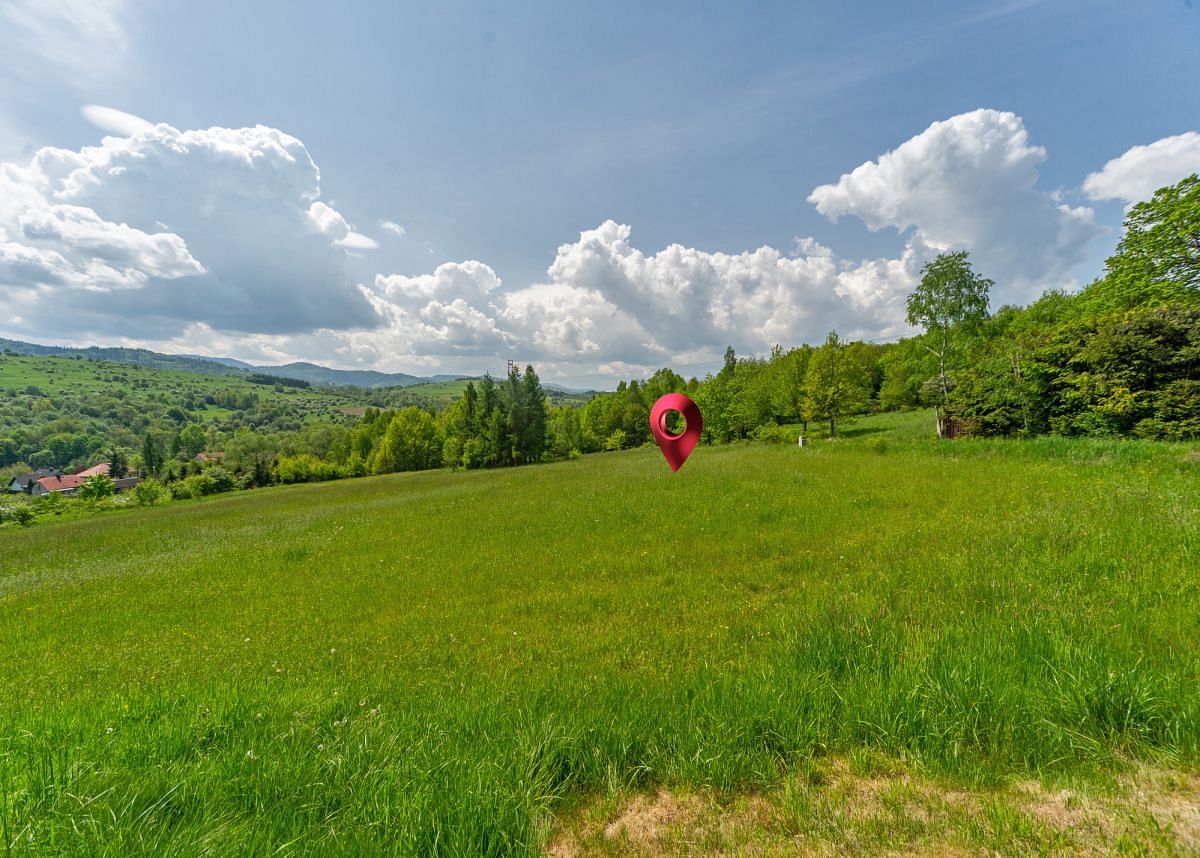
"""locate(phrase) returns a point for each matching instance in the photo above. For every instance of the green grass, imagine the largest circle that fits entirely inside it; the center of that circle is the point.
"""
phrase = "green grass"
(446, 662)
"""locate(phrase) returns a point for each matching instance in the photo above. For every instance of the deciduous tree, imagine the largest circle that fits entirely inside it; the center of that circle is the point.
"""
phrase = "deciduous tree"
(951, 295)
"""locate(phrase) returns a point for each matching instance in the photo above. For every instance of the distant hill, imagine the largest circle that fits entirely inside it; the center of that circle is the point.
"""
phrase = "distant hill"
(141, 357)
(315, 374)
(233, 362)
(309, 372)
(558, 388)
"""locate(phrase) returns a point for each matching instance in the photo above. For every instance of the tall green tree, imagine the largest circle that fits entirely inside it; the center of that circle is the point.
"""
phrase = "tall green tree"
(118, 463)
(836, 385)
(533, 439)
(470, 407)
(191, 440)
(950, 297)
(152, 454)
(1158, 258)
(411, 443)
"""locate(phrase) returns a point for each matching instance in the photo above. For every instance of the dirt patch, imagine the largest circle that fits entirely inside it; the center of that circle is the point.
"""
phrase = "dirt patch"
(832, 809)
(1061, 809)
(645, 818)
(641, 825)
(1173, 800)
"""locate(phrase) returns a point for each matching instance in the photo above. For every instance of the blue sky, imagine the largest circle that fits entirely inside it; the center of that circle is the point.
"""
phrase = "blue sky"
(496, 134)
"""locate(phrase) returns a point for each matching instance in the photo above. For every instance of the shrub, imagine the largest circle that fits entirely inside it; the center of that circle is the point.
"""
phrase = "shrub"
(202, 484)
(22, 515)
(96, 487)
(53, 502)
(148, 492)
(452, 452)
(197, 485)
(222, 479)
(474, 453)
(877, 444)
(305, 468)
(615, 441)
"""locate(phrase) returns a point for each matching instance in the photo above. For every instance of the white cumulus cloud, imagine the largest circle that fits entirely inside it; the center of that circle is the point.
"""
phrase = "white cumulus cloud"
(1139, 172)
(969, 182)
(393, 227)
(158, 231)
(331, 223)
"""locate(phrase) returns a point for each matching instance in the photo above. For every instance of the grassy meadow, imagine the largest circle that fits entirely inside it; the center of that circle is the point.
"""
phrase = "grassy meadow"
(874, 644)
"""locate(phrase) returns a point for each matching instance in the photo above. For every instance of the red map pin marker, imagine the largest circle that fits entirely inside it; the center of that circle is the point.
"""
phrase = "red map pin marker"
(676, 448)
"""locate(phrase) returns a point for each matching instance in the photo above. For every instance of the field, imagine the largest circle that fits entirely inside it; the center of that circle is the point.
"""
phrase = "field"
(875, 644)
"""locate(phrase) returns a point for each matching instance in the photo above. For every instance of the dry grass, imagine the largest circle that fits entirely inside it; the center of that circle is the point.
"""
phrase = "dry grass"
(870, 806)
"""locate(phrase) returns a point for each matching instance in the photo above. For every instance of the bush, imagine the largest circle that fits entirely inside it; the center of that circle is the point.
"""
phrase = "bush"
(305, 468)
(877, 444)
(474, 453)
(222, 479)
(148, 492)
(197, 485)
(202, 484)
(452, 452)
(21, 513)
(96, 487)
(615, 441)
(53, 502)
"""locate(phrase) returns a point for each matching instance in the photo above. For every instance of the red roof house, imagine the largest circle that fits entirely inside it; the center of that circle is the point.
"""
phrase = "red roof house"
(102, 468)
(68, 484)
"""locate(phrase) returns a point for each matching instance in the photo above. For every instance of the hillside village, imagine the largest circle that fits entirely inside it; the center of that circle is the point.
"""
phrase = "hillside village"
(47, 481)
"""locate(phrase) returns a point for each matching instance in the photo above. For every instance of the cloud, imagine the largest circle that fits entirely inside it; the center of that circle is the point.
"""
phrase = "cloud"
(76, 36)
(393, 227)
(217, 242)
(606, 303)
(968, 182)
(152, 233)
(113, 120)
(330, 222)
(1142, 170)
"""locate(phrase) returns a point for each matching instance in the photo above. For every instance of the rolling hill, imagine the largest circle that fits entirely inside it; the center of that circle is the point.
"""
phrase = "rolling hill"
(309, 372)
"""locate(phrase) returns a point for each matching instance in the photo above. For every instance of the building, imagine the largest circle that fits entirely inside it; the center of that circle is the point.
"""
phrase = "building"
(25, 482)
(67, 484)
(101, 468)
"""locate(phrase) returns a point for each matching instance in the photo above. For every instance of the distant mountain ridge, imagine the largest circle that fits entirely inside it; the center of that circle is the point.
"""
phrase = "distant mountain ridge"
(309, 372)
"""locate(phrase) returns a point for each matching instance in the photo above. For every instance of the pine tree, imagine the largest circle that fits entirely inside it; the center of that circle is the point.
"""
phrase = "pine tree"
(152, 454)
(118, 463)
(533, 440)
(470, 407)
